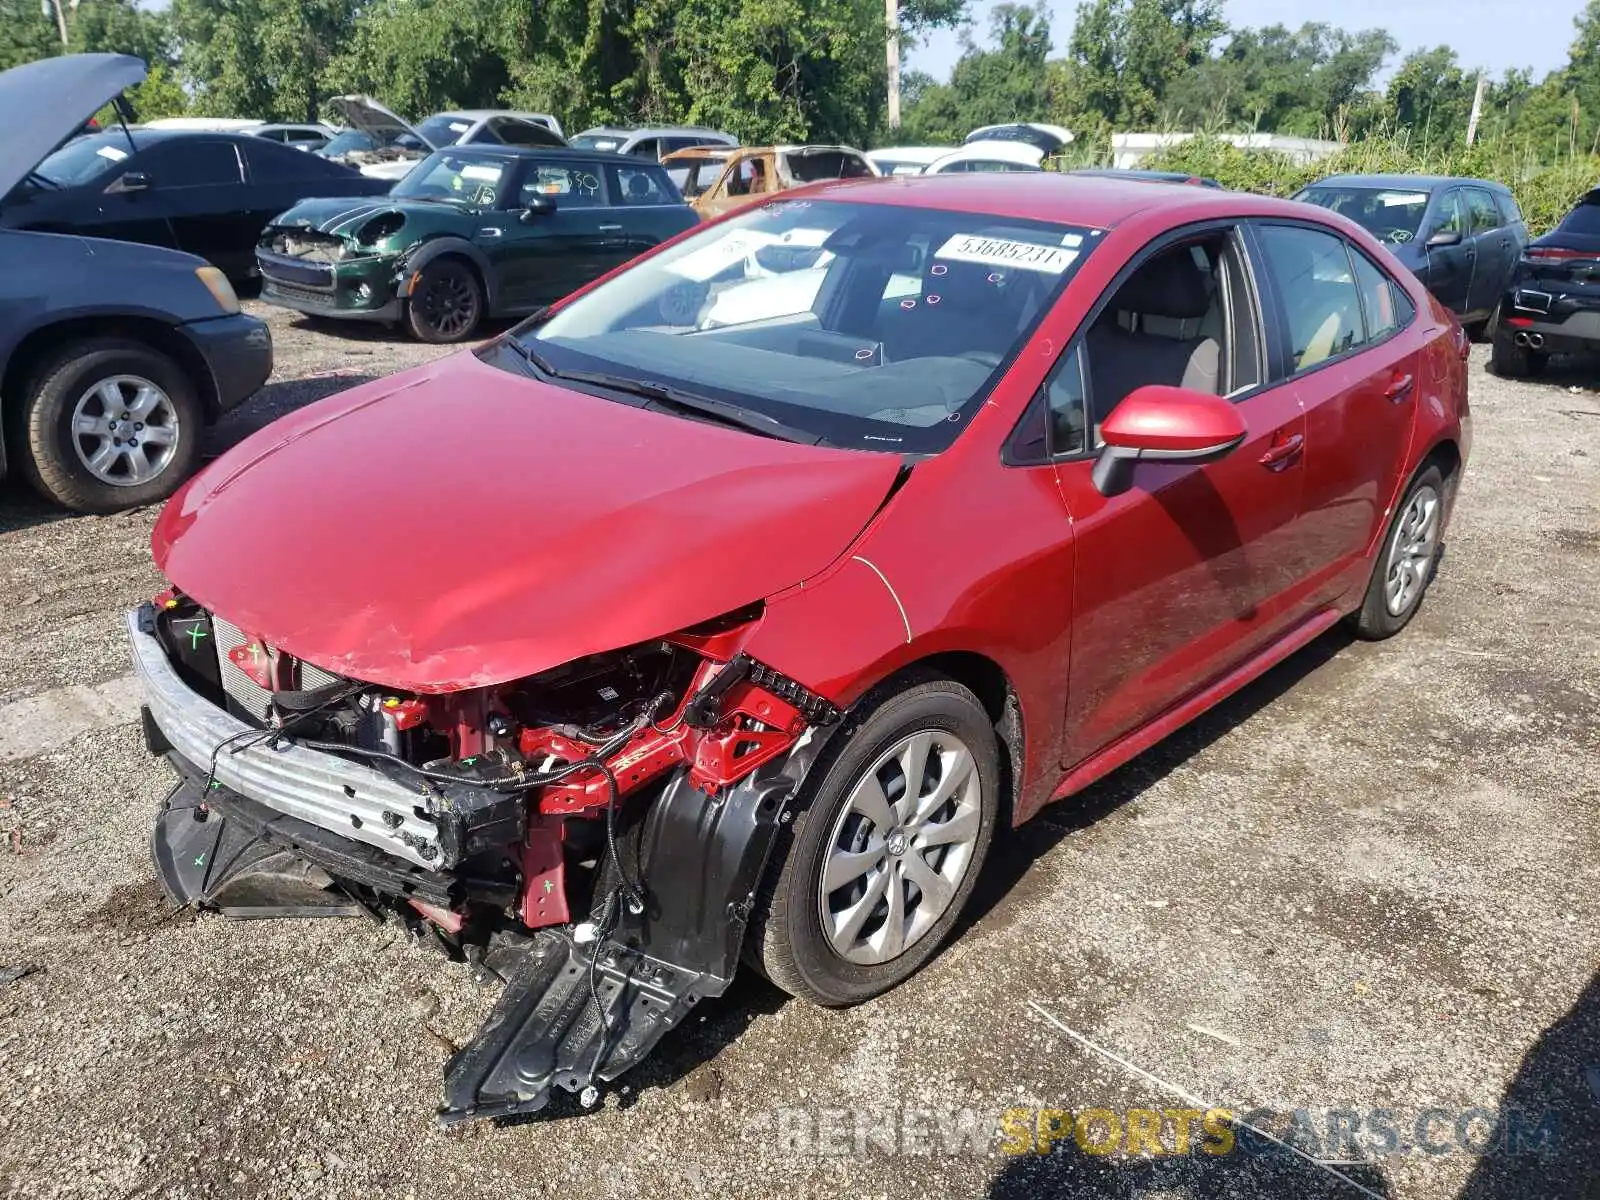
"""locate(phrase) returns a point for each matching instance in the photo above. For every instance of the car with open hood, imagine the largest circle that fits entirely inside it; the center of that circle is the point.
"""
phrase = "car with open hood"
(473, 232)
(114, 356)
(807, 605)
(383, 145)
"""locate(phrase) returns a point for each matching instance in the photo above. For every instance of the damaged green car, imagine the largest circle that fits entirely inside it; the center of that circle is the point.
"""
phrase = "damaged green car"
(469, 234)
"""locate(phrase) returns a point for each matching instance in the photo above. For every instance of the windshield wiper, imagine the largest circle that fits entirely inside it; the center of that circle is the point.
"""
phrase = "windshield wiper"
(671, 399)
(667, 398)
(43, 181)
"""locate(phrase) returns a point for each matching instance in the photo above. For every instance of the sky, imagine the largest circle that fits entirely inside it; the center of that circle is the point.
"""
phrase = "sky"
(1491, 34)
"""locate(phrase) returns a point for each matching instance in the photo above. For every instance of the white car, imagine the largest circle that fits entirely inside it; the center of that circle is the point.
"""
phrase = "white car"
(906, 160)
(1019, 146)
(386, 146)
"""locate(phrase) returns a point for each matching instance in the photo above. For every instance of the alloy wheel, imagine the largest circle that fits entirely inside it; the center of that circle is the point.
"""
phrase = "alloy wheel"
(125, 430)
(900, 847)
(450, 304)
(1411, 551)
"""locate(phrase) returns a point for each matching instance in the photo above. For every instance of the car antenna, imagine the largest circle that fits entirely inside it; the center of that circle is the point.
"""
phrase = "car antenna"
(125, 113)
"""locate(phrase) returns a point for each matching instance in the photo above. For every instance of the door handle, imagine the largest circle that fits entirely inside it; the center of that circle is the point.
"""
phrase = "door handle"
(491, 231)
(1280, 454)
(1399, 388)
(611, 229)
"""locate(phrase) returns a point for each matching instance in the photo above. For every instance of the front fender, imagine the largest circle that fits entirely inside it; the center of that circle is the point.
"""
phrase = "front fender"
(420, 255)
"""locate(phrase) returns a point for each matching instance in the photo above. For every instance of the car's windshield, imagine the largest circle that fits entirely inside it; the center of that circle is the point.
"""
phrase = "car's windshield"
(85, 159)
(464, 177)
(695, 176)
(444, 129)
(596, 141)
(872, 326)
(1389, 214)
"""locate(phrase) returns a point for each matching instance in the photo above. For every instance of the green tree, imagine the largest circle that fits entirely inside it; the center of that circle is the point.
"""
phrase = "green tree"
(421, 56)
(1431, 97)
(987, 86)
(1126, 54)
(25, 33)
(262, 58)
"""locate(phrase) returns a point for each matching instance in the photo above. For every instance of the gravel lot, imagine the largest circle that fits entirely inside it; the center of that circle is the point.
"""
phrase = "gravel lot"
(1367, 882)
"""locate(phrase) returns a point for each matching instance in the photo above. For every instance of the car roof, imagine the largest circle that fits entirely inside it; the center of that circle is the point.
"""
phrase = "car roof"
(1085, 200)
(482, 114)
(650, 131)
(559, 153)
(1416, 183)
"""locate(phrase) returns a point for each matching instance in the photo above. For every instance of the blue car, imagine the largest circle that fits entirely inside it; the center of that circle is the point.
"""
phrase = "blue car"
(1461, 237)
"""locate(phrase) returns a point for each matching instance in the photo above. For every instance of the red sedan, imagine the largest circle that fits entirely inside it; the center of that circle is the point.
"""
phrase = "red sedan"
(724, 611)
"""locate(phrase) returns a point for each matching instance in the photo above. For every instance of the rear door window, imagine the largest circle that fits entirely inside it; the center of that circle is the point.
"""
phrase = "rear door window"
(183, 162)
(1481, 211)
(1510, 214)
(639, 185)
(569, 186)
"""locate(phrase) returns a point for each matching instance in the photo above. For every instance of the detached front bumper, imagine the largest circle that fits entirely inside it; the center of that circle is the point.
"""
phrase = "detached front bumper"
(320, 789)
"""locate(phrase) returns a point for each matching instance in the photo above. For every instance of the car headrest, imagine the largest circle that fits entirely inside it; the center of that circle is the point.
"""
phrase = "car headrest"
(1169, 285)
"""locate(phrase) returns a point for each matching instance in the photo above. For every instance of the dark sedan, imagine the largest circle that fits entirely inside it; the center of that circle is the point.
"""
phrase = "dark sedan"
(1552, 302)
(210, 194)
(1461, 237)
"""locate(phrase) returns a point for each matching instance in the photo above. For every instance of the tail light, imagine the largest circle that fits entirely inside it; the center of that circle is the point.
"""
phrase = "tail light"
(1554, 254)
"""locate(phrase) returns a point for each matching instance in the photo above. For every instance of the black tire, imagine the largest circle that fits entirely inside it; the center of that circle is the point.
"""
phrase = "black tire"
(786, 939)
(1510, 361)
(1477, 331)
(50, 460)
(446, 304)
(1374, 621)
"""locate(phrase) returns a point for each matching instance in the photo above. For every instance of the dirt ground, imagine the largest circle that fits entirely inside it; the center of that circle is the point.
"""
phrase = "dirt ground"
(1366, 884)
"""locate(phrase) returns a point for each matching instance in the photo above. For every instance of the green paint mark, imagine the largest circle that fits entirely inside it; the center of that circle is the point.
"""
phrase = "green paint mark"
(549, 886)
(195, 632)
(200, 860)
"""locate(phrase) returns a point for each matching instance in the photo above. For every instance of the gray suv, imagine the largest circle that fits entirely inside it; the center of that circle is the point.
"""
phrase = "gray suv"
(654, 142)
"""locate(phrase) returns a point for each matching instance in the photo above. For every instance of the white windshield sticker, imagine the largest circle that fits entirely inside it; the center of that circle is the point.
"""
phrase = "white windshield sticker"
(998, 252)
(710, 261)
(803, 237)
(1397, 199)
(112, 153)
(460, 126)
(478, 171)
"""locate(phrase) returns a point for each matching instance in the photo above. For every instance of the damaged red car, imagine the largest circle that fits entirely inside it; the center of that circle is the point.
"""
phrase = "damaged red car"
(725, 611)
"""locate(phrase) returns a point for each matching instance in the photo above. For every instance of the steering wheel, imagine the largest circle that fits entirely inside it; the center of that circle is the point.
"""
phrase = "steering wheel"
(1398, 236)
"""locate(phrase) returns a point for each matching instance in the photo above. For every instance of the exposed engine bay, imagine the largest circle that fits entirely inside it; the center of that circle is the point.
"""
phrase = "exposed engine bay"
(592, 835)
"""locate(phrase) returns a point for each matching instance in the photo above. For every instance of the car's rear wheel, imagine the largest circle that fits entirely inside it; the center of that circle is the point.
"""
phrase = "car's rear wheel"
(1511, 361)
(446, 302)
(1406, 562)
(893, 831)
(110, 424)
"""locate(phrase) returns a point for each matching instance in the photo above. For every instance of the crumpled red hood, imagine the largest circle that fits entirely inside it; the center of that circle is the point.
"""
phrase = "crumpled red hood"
(456, 526)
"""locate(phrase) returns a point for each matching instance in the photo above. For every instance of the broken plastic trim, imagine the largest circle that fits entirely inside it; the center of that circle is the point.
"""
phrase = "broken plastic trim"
(701, 860)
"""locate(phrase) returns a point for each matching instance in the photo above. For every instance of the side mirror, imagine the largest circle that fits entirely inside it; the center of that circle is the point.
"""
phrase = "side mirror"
(536, 206)
(1444, 237)
(1164, 424)
(132, 181)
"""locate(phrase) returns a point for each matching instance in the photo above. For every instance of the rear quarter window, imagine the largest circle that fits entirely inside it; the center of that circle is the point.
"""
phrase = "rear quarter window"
(1585, 218)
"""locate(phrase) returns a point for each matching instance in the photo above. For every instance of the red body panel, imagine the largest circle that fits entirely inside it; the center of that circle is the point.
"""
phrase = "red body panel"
(458, 526)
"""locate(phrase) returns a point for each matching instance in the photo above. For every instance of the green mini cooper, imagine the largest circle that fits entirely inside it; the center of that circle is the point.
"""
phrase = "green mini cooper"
(474, 232)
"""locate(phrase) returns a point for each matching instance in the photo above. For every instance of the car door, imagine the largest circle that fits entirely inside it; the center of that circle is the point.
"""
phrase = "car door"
(1346, 352)
(1183, 576)
(1449, 262)
(122, 204)
(542, 256)
(644, 205)
(199, 183)
(1496, 252)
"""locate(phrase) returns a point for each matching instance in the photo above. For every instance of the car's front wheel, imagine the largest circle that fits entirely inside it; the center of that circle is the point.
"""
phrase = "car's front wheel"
(874, 873)
(109, 424)
(446, 303)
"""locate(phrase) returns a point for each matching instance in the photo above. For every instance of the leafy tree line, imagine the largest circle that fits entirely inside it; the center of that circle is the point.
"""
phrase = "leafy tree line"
(797, 69)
